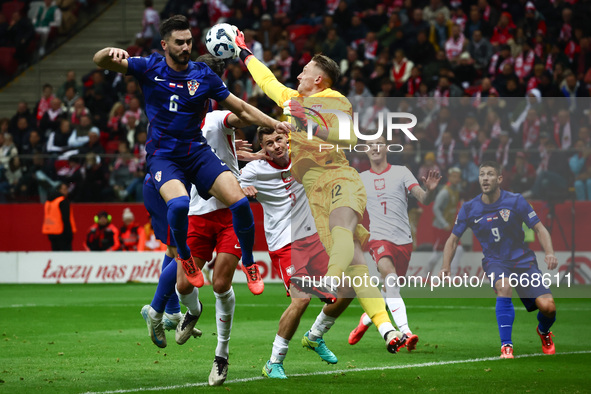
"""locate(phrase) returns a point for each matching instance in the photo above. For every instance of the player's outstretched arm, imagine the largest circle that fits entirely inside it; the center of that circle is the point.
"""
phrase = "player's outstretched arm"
(114, 59)
(449, 251)
(546, 242)
(252, 115)
(427, 196)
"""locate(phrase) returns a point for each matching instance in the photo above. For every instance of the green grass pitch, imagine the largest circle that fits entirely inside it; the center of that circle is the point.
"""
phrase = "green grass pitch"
(92, 338)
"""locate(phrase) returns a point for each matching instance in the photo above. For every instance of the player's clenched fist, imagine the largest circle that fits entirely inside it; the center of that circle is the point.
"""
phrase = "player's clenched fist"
(118, 54)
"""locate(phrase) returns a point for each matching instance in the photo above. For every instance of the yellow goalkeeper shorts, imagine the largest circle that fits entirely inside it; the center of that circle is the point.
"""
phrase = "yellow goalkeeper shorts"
(340, 187)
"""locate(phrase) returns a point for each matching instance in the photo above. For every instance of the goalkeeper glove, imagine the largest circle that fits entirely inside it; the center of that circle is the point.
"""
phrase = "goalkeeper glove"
(244, 52)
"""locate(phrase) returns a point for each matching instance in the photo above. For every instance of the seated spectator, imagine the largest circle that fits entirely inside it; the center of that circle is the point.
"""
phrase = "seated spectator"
(53, 116)
(80, 134)
(481, 50)
(22, 111)
(428, 165)
(57, 143)
(94, 143)
(22, 130)
(334, 46)
(580, 166)
(401, 68)
(33, 144)
(572, 89)
(454, 46)
(115, 115)
(151, 243)
(68, 9)
(434, 9)
(78, 111)
(44, 102)
(503, 31)
(8, 149)
(551, 182)
(131, 235)
(521, 176)
(70, 82)
(423, 52)
(562, 130)
(48, 16)
(123, 177)
(69, 99)
(465, 71)
(95, 186)
(102, 235)
(440, 31)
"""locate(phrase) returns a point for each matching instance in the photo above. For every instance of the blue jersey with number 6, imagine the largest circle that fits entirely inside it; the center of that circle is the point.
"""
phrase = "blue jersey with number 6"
(498, 228)
(175, 102)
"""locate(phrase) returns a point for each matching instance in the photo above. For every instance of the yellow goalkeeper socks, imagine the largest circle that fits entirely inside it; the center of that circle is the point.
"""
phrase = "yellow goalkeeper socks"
(370, 298)
(342, 251)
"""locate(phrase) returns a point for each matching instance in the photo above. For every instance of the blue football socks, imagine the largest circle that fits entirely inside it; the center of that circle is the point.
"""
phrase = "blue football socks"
(165, 296)
(178, 208)
(243, 222)
(545, 323)
(505, 317)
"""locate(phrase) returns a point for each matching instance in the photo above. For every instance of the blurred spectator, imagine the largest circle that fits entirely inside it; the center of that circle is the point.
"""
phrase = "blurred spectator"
(534, 22)
(8, 149)
(469, 131)
(571, 88)
(585, 136)
(102, 235)
(150, 24)
(521, 176)
(69, 99)
(57, 143)
(95, 186)
(13, 174)
(53, 116)
(131, 235)
(469, 184)
(22, 111)
(391, 32)
(580, 166)
(70, 82)
(360, 97)
(454, 46)
(334, 47)
(80, 134)
(413, 27)
(562, 130)
(115, 115)
(19, 34)
(551, 182)
(69, 10)
(48, 16)
(44, 102)
(435, 8)
(401, 68)
(255, 47)
(504, 30)
(428, 165)
(78, 111)
(32, 144)
(20, 133)
(474, 24)
(445, 210)
(465, 71)
(126, 176)
(58, 221)
(94, 144)
(423, 52)
(503, 149)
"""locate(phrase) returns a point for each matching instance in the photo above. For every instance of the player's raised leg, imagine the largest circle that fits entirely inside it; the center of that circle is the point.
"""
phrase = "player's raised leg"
(228, 191)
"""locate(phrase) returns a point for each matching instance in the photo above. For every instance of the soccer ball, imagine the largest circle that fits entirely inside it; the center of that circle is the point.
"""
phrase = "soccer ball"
(220, 41)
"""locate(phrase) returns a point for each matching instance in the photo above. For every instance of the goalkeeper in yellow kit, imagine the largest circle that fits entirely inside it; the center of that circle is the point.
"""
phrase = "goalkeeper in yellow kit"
(335, 190)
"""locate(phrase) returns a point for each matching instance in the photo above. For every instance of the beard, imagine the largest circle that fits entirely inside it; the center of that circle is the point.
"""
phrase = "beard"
(180, 61)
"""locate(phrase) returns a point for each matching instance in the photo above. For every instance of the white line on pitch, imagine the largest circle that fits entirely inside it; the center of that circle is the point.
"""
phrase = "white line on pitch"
(381, 368)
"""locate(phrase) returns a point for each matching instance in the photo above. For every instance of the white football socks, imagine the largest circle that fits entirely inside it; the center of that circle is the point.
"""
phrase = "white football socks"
(396, 303)
(280, 346)
(225, 304)
(191, 301)
(322, 324)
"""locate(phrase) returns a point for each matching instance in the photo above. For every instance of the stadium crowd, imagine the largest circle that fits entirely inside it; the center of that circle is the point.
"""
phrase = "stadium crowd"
(501, 80)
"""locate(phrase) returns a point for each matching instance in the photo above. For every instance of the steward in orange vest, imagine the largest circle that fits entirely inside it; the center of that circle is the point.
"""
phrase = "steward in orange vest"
(58, 221)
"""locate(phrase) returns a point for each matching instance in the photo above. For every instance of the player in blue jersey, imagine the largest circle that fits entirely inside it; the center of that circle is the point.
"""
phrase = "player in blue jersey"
(496, 217)
(176, 90)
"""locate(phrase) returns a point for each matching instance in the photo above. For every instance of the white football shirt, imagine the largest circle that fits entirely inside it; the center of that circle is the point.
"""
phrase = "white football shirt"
(284, 202)
(220, 136)
(387, 203)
